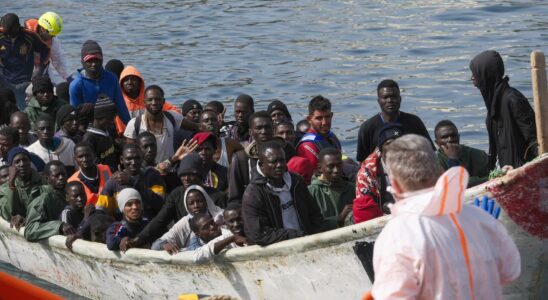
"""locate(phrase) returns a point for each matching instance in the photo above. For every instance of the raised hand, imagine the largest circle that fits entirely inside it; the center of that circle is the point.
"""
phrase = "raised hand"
(186, 148)
(451, 150)
(488, 205)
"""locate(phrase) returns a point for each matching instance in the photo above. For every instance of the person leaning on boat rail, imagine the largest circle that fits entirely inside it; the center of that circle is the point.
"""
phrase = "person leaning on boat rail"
(389, 100)
(147, 181)
(372, 197)
(17, 48)
(451, 153)
(196, 201)
(24, 185)
(174, 209)
(74, 211)
(131, 204)
(48, 27)
(210, 239)
(435, 246)
(333, 193)
(277, 205)
(44, 211)
(510, 118)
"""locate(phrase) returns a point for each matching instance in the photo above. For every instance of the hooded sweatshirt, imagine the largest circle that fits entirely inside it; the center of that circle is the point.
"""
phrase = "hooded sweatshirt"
(510, 119)
(436, 247)
(181, 234)
(136, 106)
(331, 197)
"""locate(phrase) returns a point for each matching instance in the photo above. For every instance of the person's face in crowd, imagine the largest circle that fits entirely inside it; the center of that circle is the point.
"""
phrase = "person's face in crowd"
(131, 85)
(22, 165)
(209, 120)
(154, 101)
(196, 202)
(22, 124)
(331, 168)
(207, 229)
(131, 161)
(261, 129)
(189, 179)
(286, 132)
(278, 116)
(389, 100)
(4, 175)
(44, 97)
(234, 221)
(105, 123)
(57, 177)
(84, 157)
(44, 130)
(6, 144)
(70, 126)
(447, 135)
(194, 115)
(273, 164)
(242, 112)
(76, 197)
(206, 151)
(93, 66)
(321, 121)
(149, 149)
(133, 210)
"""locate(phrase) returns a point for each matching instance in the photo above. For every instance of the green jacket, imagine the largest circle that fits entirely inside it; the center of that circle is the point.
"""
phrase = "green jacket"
(332, 198)
(34, 110)
(475, 161)
(17, 202)
(43, 217)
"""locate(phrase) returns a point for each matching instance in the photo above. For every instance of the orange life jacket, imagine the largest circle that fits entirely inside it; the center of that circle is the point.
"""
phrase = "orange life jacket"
(32, 25)
(104, 175)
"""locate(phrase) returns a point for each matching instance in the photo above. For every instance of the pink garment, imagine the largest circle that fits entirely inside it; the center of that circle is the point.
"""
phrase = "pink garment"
(434, 247)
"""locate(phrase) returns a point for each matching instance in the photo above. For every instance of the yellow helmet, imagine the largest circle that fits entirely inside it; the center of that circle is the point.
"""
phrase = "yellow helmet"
(51, 22)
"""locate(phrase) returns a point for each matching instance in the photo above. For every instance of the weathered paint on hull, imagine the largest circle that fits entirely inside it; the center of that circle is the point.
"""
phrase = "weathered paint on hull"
(322, 266)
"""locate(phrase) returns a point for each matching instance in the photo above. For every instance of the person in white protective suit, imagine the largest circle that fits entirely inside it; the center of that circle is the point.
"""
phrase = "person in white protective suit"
(434, 246)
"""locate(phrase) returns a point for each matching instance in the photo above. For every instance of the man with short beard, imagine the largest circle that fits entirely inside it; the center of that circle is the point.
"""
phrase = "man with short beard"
(43, 100)
(148, 182)
(44, 211)
(23, 186)
(276, 204)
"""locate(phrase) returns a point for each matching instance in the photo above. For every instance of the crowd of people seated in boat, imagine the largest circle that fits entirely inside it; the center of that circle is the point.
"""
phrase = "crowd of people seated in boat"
(104, 157)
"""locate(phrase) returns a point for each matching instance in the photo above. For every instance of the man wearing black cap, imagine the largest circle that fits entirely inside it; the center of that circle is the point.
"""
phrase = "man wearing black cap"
(389, 99)
(192, 110)
(190, 173)
(93, 80)
(22, 187)
(98, 134)
(17, 48)
(243, 109)
(43, 100)
(67, 122)
(278, 112)
(372, 180)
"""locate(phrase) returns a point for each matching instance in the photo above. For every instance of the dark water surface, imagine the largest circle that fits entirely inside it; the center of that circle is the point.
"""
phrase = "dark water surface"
(293, 50)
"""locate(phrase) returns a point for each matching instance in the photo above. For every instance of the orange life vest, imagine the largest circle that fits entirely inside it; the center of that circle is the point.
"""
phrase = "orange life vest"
(32, 25)
(104, 175)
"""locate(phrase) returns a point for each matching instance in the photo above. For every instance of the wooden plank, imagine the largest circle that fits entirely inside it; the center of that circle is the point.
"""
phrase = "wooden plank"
(540, 96)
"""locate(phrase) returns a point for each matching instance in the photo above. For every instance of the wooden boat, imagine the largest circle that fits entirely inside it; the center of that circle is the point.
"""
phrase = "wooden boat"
(330, 265)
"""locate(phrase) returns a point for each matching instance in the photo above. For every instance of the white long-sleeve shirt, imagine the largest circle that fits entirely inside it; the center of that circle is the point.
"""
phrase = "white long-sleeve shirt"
(435, 247)
(58, 59)
(207, 251)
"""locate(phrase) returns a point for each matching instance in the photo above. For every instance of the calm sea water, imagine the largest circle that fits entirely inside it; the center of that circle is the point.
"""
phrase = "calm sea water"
(293, 50)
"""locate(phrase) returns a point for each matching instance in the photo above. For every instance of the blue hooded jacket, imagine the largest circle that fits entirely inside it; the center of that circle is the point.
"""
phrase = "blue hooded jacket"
(86, 90)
